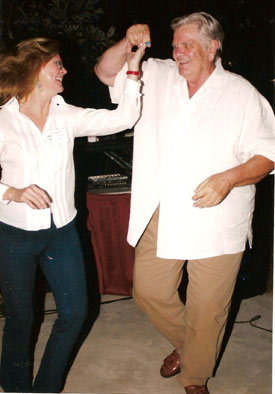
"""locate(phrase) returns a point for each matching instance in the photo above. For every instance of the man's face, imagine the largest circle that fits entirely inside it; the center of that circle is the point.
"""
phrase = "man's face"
(194, 57)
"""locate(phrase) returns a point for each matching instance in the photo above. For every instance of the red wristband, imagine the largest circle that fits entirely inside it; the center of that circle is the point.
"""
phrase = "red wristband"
(132, 72)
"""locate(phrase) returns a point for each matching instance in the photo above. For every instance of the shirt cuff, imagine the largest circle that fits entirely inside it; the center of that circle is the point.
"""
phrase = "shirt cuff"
(132, 87)
(3, 189)
(117, 90)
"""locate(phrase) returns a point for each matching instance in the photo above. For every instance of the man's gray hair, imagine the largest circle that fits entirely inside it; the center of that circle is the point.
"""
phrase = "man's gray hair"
(209, 27)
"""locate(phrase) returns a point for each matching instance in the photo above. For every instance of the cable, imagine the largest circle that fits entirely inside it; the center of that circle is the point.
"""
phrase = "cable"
(251, 321)
(50, 312)
(118, 299)
(257, 317)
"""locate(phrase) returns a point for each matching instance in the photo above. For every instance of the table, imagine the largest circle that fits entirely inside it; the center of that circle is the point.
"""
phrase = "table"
(108, 216)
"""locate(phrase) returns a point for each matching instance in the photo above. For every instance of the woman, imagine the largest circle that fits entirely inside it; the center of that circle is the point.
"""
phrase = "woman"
(37, 131)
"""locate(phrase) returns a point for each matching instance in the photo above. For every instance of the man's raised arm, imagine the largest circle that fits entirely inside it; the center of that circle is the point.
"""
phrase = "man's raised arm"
(113, 59)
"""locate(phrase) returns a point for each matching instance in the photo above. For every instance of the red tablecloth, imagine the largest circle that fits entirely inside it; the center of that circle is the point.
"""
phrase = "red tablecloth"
(108, 222)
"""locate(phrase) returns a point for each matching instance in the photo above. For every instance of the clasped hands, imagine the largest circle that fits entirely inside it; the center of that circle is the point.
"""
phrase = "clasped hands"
(139, 36)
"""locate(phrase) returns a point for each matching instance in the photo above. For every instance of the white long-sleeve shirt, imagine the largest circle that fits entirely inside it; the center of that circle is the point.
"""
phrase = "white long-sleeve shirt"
(179, 142)
(28, 156)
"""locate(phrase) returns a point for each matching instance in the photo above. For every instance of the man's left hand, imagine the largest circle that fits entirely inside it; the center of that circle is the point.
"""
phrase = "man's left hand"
(212, 191)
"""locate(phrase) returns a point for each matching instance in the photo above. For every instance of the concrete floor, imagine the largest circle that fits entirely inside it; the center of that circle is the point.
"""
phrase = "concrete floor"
(123, 352)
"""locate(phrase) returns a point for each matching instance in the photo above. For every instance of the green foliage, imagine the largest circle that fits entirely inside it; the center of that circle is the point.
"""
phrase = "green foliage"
(75, 21)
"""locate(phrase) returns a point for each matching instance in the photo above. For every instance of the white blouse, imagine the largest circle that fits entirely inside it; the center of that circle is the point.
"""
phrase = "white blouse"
(179, 142)
(28, 156)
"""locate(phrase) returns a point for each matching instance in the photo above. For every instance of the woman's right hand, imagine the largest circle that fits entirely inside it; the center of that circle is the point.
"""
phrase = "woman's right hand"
(32, 195)
(133, 58)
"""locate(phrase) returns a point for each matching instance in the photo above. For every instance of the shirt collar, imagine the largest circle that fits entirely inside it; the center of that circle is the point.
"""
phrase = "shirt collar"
(57, 100)
(13, 101)
(214, 82)
(215, 79)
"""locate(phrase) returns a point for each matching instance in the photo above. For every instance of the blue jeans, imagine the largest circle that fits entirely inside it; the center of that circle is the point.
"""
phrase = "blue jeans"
(59, 255)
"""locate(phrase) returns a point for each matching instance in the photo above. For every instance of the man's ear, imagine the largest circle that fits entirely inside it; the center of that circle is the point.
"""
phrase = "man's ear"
(213, 46)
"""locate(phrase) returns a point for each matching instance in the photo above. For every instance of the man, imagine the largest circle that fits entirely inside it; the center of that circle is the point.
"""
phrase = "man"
(205, 137)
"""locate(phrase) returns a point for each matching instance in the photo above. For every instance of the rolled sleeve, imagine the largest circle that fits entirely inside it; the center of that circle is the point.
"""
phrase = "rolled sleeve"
(258, 137)
(116, 91)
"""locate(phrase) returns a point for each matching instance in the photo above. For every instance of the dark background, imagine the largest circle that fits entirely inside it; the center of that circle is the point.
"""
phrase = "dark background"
(87, 28)
(248, 27)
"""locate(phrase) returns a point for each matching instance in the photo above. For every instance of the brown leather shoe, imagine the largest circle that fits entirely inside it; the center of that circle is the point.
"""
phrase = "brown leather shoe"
(171, 365)
(197, 389)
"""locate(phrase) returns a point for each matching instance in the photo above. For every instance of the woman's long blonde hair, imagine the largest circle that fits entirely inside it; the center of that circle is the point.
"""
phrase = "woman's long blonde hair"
(19, 69)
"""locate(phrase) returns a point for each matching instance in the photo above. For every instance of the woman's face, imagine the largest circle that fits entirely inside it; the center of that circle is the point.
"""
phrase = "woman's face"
(51, 76)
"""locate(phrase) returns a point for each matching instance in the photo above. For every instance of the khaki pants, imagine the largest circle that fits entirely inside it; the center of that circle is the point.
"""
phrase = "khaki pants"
(197, 328)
